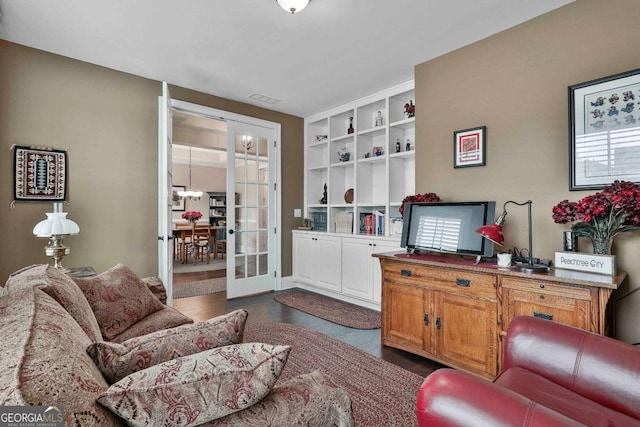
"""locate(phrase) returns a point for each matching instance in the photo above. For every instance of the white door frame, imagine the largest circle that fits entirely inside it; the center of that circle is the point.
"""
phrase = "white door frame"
(276, 127)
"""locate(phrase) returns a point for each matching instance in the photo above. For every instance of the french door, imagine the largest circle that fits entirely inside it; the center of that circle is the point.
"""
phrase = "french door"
(165, 178)
(251, 209)
(253, 215)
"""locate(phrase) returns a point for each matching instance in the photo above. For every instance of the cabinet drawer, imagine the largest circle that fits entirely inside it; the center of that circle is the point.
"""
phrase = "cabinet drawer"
(551, 289)
(458, 281)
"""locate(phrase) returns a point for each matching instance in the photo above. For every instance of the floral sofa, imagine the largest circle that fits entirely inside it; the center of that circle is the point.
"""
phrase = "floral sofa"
(110, 353)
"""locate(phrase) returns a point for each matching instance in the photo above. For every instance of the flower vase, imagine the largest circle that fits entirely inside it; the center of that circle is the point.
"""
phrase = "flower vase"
(602, 245)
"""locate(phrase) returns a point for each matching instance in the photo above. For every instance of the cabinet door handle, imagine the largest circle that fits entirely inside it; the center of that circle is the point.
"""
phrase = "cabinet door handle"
(463, 282)
(542, 315)
(438, 323)
(426, 319)
(405, 273)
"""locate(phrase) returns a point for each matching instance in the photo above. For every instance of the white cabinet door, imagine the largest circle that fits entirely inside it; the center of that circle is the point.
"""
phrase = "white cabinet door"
(376, 272)
(356, 267)
(305, 256)
(329, 262)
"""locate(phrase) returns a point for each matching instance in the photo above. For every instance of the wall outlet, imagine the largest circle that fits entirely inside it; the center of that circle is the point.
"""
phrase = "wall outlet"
(297, 213)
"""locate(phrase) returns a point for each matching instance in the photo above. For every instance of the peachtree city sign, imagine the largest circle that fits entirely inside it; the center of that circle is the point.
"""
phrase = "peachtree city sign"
(602, 264)
(31, 416)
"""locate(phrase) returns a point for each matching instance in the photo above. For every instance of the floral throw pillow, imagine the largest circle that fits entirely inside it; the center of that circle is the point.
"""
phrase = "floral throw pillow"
(116, 361)
(60, 287)
(118, 299)
(198, 388)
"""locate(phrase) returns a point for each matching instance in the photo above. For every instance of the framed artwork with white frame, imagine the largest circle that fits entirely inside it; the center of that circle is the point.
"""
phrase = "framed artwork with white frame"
(604, 131)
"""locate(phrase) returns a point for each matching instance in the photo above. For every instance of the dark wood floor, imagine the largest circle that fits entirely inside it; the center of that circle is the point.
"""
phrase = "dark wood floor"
(262, 308)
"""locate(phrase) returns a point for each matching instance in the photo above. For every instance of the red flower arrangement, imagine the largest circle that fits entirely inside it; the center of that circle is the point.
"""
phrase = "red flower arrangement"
(426, 197)
(602, 216)
(191, 216)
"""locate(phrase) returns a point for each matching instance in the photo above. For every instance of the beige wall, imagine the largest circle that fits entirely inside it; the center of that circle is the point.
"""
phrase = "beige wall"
(108, 121)
(516, 83)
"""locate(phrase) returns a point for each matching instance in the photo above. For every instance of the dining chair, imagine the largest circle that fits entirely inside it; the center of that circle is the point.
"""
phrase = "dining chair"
(184, 234)
(201, 243)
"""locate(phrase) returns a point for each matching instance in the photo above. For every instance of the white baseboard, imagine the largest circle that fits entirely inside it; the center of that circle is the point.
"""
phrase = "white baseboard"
(287, 283)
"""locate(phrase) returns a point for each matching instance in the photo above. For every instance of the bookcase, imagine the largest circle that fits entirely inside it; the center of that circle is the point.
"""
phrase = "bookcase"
(364, 152)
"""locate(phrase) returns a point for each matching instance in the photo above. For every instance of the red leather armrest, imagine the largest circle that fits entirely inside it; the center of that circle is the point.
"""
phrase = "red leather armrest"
(596, 367)
(453, 398)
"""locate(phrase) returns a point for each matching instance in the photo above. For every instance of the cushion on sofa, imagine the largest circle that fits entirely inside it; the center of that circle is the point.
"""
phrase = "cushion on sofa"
(44, 361)
(118, 299)
(166, 318)
(61, 288)
(156, 287)
(305, 400)
(198, 388)
(116, 361)
(562, 400)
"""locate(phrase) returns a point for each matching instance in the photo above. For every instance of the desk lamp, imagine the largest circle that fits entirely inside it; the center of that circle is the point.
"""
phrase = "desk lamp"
(493, 232)
(55, 227)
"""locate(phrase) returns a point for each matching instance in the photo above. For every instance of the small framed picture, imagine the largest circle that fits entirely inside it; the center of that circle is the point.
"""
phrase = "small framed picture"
(177, 202)
(377, 151)
(604, 131)
(469, 147)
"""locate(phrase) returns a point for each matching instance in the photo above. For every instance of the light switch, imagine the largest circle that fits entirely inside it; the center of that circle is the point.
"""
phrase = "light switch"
(297, 213)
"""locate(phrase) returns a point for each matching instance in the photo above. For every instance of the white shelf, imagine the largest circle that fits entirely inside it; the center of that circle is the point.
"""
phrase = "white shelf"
(342, 137)
(378, 129)
(403, 154)
(404, 124)
(318, 144)
(380, 182)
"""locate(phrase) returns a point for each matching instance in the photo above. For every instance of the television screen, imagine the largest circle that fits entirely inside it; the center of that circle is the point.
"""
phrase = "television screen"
(448, 227)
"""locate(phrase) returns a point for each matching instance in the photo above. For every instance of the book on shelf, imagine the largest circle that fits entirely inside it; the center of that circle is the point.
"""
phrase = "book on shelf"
(344, 222)
(319, 221)
(372, 223)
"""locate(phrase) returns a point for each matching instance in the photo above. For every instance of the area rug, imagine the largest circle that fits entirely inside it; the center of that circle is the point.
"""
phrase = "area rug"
(200, 287)
(214, 264)
(382, 394)
(331, 309)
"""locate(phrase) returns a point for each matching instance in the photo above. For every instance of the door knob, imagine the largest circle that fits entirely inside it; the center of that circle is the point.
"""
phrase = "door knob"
(231, 231)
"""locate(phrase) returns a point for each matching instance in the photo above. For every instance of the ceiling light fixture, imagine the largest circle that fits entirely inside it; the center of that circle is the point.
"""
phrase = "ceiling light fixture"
(247, 142)
(190, 194)
(293, 6)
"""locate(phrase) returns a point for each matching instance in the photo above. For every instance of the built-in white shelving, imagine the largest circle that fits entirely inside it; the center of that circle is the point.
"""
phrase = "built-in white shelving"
(378, 175)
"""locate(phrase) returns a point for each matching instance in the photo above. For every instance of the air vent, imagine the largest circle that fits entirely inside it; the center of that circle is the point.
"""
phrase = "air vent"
(265, 99)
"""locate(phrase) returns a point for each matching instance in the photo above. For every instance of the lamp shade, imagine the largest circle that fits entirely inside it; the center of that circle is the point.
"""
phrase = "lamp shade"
(293, 6)
(56, 224)
(492, 232)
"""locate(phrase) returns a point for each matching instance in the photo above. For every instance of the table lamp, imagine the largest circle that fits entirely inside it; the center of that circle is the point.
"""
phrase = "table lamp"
(493, 232)
(55, 227)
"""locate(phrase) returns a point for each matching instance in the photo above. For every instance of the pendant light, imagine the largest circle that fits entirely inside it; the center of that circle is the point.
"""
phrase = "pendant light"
(190, 194)
(293, 6)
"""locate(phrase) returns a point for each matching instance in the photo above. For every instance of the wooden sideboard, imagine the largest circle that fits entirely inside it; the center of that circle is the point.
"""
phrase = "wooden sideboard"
(453, 311)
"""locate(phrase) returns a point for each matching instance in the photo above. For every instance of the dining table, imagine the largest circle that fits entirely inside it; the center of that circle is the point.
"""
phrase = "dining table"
(181, 233)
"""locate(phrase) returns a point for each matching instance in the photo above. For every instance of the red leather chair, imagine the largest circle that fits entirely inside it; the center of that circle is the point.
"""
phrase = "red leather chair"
(553, 375)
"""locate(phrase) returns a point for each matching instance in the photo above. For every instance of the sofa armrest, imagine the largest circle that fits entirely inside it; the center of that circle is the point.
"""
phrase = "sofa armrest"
(450, 398)
(596, 367)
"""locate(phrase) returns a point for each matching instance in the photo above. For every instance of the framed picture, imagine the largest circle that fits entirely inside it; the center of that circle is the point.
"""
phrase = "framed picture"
(469, 147)
(40, 174)
(604, 131)
(178, 203)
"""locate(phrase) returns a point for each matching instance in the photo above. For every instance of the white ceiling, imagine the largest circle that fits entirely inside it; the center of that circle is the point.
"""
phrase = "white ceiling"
(331, 53)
